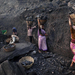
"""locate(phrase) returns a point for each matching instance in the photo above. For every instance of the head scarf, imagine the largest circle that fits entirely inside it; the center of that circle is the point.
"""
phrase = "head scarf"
(14, 28)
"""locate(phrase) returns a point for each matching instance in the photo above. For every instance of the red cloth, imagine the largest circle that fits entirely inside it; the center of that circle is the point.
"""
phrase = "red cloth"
(73, 40)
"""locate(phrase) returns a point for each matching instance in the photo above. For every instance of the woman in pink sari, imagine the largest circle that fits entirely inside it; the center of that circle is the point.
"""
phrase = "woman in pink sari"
(72, 43)
(41, 39)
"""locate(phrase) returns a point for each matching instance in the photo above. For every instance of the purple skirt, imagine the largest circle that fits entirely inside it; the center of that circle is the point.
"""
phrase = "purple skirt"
(42, 43)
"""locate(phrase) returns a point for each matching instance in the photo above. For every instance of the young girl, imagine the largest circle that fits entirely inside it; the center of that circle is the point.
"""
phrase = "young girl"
(30, 29)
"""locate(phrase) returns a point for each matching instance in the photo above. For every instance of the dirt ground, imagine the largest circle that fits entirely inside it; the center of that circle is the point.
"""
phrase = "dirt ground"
(49, 64)
(57, 61)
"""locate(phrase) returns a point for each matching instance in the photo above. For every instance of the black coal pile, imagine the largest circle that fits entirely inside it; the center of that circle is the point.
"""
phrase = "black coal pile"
(29, 18)
(8, 46)
(57, 28)
(14, 14)
(26, 63)
(51, 64)
(42, 17)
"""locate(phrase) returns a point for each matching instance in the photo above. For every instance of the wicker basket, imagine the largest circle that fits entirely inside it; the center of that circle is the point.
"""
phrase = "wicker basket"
(29, 22)
(9, 49)
(42, 21)
(72, 16)
(28, 58)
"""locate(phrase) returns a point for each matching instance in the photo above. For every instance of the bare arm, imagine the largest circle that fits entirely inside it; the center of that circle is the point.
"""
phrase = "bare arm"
(69, 21)
(33, 27)
(38, 22)
(71, 28)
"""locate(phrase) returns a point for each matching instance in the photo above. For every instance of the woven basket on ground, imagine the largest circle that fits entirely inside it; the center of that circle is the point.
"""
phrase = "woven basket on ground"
(9, 49)
(27, 58)
(72, 16)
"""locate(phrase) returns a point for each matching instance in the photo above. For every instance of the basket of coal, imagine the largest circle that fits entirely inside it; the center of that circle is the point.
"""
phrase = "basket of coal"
(42, 19)
(72, 16)
(29, 20)
(26, 61)
(9, 47)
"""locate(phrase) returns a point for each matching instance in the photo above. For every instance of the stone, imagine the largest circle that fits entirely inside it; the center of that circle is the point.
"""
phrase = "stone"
(63, 4)
(1, 71)
(47, 55)
(11, 68)
(71, 4)
(33, 52)
(57, 28)
(68, 72)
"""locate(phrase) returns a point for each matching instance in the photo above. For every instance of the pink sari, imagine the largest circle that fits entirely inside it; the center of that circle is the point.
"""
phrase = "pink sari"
(42, 41)
(72, 46)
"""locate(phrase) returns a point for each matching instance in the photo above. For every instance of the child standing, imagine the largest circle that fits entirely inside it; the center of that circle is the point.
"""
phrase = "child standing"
(30, 29)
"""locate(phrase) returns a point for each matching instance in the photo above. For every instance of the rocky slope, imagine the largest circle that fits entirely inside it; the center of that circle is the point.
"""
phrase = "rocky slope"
(13, 13)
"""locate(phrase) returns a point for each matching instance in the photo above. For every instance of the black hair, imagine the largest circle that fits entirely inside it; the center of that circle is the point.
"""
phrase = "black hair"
(40, 31)
(14, 30)
(29, 27)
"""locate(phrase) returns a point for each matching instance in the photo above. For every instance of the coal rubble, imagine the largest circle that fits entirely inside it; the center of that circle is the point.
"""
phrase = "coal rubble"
(44, 63)
(15, 14)
(9, 46)
(51, 64)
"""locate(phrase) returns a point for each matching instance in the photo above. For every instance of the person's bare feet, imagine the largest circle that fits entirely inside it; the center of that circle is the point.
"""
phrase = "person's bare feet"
(39, 51)
(45, 51)
(71, 64)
